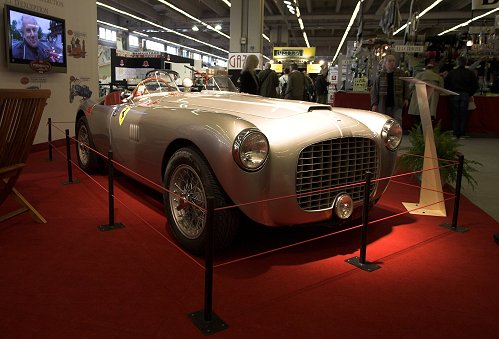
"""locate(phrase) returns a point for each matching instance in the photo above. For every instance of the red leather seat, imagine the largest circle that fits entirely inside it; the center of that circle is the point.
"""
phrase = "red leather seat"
(113, 98)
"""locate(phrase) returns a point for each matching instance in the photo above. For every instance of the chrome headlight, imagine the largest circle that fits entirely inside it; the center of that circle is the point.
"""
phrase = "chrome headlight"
(391, 134)
(250, 149)
(343, 206)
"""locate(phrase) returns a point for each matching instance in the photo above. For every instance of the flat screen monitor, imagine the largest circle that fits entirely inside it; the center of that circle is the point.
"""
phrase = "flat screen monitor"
(34, 41)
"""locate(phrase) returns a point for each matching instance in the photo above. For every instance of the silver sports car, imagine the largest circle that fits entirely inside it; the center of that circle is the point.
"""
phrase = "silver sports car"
(282, 162)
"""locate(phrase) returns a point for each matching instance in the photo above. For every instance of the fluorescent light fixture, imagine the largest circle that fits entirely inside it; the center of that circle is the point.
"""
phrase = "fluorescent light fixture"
(266, 37)
(354, 15)
(195, 28)
(140, 33)
(227, 2)
(187, 47)
(181, 11)
(426, 10)
(466, 23)
(306, 38)
(159, 26)
(287, 2)
(300, 21)
(112, 25)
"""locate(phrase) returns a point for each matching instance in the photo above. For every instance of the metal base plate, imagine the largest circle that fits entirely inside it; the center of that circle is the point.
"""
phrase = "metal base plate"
(207, 327)
(105, 228)
(460, 229)
(368, 266)
(75, 181)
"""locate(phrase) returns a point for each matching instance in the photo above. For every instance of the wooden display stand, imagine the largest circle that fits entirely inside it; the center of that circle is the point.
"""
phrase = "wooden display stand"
(431, 194)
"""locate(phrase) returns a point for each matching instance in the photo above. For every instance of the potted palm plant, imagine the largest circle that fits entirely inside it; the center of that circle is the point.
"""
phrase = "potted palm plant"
(447, 149)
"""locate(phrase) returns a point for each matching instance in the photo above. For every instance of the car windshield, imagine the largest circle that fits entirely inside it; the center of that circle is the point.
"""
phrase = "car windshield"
(221, 83)
(156, 83)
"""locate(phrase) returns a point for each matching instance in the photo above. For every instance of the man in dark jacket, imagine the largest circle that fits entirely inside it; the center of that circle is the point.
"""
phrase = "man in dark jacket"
(268, 82)
(321, 86)
(389, 93)
(296, 83)
(463, 81)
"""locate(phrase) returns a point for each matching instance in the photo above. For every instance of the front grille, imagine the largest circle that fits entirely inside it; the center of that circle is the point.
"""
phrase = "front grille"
(333, 163)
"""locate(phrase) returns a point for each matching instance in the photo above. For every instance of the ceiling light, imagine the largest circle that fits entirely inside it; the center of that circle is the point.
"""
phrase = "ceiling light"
(195, 28)
(469, 43)
(159, 26)
(466, 23)
(218, 27)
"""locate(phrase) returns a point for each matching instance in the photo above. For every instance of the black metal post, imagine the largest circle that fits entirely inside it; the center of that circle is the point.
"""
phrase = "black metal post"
(110, 185)
(457, 199)
(207, 321)
(360, 261)
(110, 181)
(365, 218)
(50, 138)
(208, 273)
(68, 158)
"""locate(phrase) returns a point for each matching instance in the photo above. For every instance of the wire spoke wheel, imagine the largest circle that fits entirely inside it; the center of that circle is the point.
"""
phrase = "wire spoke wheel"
(188, 201)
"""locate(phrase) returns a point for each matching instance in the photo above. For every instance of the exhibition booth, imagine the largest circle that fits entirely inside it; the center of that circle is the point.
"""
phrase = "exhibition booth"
(483, 121)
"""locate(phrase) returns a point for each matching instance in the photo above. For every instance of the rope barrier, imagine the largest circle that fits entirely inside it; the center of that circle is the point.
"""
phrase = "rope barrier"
(269, 200)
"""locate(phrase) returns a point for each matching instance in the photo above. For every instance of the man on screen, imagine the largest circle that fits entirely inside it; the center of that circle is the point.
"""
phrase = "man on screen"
(30, 48)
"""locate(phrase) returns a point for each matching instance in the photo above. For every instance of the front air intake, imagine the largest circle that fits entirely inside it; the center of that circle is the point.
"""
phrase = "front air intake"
(333, 163)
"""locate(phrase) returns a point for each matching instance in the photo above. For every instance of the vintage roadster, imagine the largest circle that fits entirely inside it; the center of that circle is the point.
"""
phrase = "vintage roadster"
(281, 162)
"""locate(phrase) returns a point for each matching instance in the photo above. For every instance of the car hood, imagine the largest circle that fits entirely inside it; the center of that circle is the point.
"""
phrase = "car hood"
(280, 116)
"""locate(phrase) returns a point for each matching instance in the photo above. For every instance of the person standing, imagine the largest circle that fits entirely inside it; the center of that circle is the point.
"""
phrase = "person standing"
(296, 83)
(429, 76)
(248, 80)
(283, 82)
(30, 48)
(268, 82)
(321, 85)
(464, 82)
(389, 93)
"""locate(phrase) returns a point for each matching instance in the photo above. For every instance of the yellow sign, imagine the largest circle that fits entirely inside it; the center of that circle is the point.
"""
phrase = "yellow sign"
(123, 114)
(276, 67)
(313, 68)
(293, 53)
(360, 84)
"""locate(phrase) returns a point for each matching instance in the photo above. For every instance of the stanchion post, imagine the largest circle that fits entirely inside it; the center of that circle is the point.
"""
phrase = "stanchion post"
(50, 138)
(360, 261)
(457, 198)
(68, 160)
(112, 225)
(365, 218)
(205, 320)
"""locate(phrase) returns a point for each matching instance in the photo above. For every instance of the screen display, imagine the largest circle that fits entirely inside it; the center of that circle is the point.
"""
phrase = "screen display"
(34, 39)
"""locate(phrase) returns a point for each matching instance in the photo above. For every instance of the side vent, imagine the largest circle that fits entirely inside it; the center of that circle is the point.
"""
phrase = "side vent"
(323, 108)
(134, 132)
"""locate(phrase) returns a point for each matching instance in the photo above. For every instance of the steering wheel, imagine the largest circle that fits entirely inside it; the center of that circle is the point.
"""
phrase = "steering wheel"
(147, 80)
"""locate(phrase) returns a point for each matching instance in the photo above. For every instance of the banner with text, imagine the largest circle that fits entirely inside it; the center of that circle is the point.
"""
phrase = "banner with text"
(484, 4)
(237, 60)
(293, 53)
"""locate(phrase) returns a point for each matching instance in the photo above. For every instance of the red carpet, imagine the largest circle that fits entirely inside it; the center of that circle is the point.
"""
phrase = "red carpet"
(66, 279)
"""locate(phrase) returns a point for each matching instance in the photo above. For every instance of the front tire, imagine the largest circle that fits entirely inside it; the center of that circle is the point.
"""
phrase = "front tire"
(188, 180)
(87, 159)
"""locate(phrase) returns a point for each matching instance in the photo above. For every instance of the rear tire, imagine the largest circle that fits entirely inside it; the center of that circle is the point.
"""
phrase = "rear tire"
(188, 176)
(87, 159)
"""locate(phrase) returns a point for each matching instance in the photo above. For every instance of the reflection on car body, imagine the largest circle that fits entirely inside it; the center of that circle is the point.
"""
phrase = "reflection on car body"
(240, 149)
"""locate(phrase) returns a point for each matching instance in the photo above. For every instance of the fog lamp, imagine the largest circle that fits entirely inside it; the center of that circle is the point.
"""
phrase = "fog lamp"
(343, 206)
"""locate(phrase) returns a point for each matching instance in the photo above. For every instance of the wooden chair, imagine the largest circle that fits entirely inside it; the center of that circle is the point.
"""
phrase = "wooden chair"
(20, 114)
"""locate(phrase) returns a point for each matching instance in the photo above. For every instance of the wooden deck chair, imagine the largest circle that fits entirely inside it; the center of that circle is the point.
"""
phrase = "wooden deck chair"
(20, 114)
